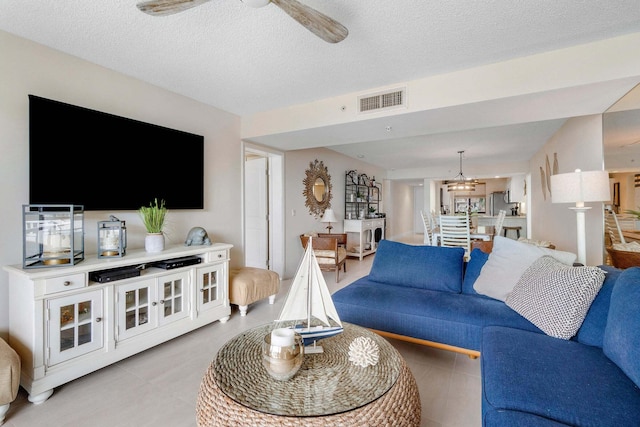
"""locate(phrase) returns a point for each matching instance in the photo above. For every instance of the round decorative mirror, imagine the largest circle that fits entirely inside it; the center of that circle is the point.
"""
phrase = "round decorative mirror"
(317, 188)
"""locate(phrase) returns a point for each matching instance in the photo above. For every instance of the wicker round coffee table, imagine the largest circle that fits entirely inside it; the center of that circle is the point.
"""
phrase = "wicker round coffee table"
(327, 390)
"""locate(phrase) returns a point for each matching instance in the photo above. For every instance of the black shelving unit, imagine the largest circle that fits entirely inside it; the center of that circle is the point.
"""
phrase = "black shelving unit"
(362, 196)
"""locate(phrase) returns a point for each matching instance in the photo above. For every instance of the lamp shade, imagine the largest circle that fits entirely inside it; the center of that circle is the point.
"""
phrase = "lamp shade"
(580, 187)
(329, 216)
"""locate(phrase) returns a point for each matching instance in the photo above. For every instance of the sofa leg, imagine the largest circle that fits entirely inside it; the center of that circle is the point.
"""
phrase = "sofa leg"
(243, 309)
(272, 298)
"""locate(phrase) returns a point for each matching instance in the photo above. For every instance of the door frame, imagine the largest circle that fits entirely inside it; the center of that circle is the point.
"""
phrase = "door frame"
(276, 248)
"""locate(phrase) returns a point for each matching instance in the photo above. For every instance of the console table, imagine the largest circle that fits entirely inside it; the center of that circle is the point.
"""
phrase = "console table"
(64, 325)
(327, 390)
(366, 231)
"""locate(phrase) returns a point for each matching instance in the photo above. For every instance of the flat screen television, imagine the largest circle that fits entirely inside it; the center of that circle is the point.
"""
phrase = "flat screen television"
(106, 162)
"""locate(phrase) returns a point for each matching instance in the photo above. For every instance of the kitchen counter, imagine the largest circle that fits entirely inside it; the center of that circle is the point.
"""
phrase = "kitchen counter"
(509, 221)
(508, 216)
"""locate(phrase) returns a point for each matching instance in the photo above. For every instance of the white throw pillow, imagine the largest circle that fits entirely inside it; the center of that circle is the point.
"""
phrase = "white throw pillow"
(556, 297)
(508, 260)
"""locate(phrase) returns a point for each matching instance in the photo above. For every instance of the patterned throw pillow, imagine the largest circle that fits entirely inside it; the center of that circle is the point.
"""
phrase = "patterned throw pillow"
(556, 297)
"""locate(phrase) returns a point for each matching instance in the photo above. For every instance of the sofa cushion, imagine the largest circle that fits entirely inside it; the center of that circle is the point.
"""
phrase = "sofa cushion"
(622, 334)
(501, 418)
(592, 330)
(472, 270)
(562, 380)
(423, 267)
(444, 317)
(556, 297)
(508, 260)
(327, 256)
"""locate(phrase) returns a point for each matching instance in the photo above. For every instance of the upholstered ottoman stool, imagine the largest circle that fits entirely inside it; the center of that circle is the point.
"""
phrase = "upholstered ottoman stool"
(250, 284)
(9, 377)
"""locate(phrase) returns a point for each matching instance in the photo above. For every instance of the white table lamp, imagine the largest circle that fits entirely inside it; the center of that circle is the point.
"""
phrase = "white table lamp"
(580, 187)
(329, 216)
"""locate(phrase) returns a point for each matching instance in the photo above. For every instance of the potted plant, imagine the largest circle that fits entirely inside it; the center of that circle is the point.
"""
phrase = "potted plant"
(372, 211)
(153, 218)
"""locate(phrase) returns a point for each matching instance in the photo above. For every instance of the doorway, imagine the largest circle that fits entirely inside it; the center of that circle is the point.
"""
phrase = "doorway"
(263, 208)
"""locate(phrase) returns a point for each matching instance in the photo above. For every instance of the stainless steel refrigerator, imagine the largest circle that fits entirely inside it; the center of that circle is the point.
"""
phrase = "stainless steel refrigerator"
(498, 201)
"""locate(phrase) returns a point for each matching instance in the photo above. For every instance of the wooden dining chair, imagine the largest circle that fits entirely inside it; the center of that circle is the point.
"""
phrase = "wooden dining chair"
(455, 232)
(427, 225)
(499, 222)
(626, 222)
(613, 227)
(330, 256)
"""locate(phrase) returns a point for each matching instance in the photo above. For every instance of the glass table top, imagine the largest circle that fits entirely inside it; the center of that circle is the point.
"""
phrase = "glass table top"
(327, 383)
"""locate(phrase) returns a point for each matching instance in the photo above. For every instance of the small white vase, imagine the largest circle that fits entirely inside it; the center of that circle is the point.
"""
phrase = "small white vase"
(154, 242)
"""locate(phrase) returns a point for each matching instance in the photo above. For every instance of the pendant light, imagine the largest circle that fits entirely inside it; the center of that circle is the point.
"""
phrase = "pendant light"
(460, 182)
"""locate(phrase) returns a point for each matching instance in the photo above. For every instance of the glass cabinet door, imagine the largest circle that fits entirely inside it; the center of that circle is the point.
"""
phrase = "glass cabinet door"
(209, 290)
(173, 291)
(136, 308)
(75, 325)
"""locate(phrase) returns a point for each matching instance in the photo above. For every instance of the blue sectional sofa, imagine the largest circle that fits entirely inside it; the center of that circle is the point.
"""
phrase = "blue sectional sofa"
(425, 294)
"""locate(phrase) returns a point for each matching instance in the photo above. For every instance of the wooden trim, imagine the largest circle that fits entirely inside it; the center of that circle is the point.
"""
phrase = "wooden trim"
(473, 354)
(341, 237)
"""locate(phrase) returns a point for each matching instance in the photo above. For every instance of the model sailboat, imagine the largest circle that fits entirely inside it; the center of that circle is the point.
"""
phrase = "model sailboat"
(308, 300)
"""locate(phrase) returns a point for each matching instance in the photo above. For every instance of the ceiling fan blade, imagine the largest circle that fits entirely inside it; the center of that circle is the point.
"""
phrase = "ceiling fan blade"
(168, 7)
(318, 23)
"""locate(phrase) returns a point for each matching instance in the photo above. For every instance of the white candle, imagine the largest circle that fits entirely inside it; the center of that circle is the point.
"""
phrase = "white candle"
(54, 242)
(282, 337)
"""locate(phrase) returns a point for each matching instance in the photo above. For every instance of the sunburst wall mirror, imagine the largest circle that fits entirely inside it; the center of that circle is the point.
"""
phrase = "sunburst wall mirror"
(317, 188)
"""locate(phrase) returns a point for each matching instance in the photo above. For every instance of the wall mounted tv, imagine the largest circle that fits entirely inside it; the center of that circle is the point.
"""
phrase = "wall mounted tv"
(106, 162)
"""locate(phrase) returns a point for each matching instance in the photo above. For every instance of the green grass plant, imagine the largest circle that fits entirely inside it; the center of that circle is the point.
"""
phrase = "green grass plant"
(153, 216)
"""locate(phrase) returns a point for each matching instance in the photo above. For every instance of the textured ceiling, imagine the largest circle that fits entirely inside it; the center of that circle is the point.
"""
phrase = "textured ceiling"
(245, 60)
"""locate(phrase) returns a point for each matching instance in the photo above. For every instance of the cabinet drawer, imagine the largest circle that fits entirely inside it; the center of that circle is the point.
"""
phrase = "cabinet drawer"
(217, 256)
(64, 283)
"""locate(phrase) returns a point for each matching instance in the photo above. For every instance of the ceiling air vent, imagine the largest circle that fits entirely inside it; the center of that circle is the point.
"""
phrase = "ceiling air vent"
(381, 101)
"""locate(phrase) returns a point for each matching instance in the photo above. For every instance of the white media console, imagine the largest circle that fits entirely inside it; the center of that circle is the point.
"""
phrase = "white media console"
(64, 325)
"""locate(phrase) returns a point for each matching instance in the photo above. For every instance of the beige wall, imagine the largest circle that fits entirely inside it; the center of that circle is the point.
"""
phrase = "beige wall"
(296, 163)
(29, 68)
(400, 221)
(578, 145)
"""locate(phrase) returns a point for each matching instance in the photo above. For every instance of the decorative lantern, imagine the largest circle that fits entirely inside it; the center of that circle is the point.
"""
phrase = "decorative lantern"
(53, 235)
(112, 238)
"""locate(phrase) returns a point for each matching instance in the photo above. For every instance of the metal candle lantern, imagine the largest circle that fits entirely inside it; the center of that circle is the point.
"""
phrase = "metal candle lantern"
(53, 235)
(112, 238)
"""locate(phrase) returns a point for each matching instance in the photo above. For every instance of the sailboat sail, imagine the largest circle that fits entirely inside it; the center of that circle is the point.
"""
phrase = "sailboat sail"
(309, 297)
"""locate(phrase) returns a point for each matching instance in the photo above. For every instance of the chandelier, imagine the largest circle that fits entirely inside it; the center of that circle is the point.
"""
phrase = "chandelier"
(460, 182)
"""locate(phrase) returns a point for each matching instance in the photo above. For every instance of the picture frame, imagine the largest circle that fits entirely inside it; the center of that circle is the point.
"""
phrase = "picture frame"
(616, 194)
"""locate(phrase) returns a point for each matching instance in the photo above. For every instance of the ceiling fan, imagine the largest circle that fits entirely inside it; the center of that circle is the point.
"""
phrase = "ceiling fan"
(318, 23)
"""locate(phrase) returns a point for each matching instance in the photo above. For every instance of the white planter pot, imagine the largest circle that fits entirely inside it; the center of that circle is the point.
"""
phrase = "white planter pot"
(154, 242)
